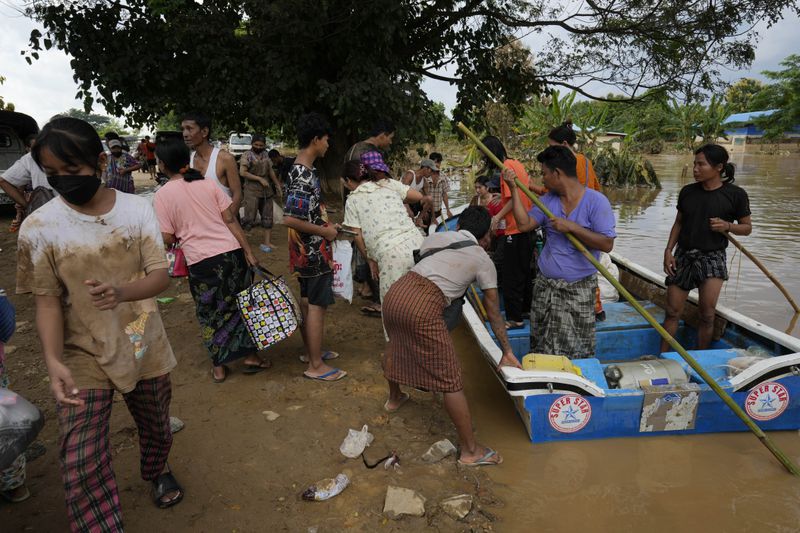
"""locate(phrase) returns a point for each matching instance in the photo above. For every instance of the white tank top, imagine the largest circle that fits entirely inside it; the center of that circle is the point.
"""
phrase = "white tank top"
(415, 184)
(211, 170)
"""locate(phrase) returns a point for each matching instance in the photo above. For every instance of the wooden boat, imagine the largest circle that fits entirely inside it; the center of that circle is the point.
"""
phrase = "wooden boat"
(628, 389)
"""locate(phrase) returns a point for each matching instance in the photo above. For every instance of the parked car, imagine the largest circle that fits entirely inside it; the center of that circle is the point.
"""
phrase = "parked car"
(14, 127)
(239, 143)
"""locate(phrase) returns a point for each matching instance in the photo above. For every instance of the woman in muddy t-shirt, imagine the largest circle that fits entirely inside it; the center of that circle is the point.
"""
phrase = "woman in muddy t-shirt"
(707, 210)
(94, 260)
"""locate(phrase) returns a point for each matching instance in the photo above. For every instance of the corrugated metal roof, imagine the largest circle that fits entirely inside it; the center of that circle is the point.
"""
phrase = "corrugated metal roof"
(748, 117)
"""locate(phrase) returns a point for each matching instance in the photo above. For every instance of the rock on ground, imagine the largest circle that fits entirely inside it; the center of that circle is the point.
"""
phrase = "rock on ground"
(271, 416)
(457, 507)
(439, 451)
(176, 424)
(400, 501)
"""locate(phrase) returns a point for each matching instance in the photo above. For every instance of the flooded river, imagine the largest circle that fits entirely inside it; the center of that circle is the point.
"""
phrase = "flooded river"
(723, 482)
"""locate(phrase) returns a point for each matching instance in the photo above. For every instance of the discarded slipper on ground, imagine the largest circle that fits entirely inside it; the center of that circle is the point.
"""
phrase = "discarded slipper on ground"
(514, 325)
(486, 460)
(255, 369)
(370, 311)
(403, 401)
(334, 375)
(326, 356)
(163, 485)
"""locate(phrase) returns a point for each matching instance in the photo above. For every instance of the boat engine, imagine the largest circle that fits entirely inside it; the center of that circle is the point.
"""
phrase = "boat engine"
(635, 374)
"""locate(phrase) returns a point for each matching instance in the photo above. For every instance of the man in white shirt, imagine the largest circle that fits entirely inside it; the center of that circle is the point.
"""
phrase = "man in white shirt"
(24, 174)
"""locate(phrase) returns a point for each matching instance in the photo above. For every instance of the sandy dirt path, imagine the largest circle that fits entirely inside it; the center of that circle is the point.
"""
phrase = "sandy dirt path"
(240, 471)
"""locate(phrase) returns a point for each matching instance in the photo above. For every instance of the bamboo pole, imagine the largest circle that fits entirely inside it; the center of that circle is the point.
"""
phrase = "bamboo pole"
(765, 440)
(481, 308)
(792, 323)
(766, 272)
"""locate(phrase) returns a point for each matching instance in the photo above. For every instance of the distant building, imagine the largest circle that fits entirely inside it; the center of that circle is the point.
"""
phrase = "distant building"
(742, 129)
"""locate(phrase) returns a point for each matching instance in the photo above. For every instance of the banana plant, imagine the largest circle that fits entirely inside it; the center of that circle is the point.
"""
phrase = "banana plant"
(711, 125)
(542, 115)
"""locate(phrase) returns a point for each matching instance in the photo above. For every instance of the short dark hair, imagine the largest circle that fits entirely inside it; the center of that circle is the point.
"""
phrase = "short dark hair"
(495, 146)
(311, 126)
(273, 153)
(718, 155)
(435, 156)
(201, 119)
(356, 171)
(258, 137)
(563, 133)
(146, 136)
(561, 158)
(71, 140)
(483, 180)
(110, 135)
(175, 156)
(382, 126)
(476, 220)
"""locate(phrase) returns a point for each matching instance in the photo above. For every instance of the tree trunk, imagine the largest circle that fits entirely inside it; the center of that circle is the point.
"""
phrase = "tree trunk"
(331, 165)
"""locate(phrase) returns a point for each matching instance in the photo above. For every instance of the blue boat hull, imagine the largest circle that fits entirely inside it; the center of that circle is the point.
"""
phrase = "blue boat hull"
(558, 406)
(620, 415)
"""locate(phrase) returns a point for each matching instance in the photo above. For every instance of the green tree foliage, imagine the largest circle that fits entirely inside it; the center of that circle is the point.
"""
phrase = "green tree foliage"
(5, 106)
(116, 126)
(711, 121)
(97, 121)
(740, 95)
(783, 95)
(264, 62)
(541, 116)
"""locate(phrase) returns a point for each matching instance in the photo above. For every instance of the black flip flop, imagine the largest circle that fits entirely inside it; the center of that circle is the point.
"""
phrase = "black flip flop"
(163, 485)
(255, 369)
(370, 311)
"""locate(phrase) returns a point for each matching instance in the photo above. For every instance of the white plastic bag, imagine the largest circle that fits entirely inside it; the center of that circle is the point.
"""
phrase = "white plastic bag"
(326, 489)
(277, 212)
(342, 270)
(608, 293)
(355, 442)
(20, 422)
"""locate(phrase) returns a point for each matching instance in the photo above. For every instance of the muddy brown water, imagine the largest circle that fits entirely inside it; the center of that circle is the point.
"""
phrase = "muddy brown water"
(722, 482)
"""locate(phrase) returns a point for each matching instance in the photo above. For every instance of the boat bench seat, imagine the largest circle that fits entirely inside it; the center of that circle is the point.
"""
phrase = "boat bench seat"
(592, 370)
(622, 315)
(713, 361)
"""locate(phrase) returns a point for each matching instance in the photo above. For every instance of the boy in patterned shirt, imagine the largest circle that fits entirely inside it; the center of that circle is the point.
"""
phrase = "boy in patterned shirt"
(310, 237)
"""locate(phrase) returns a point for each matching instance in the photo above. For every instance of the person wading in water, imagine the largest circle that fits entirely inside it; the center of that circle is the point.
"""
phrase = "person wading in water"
(707, 209)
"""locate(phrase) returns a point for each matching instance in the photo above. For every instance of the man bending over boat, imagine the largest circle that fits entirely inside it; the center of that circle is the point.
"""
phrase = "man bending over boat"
(707, 210)
(562, 312)
(421, 353)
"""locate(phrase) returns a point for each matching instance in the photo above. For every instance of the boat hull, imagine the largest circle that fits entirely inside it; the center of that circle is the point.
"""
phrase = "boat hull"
(547, 416)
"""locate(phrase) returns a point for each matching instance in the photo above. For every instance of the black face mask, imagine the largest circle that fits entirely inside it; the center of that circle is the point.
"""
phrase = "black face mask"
(76, 190)
(258, 150)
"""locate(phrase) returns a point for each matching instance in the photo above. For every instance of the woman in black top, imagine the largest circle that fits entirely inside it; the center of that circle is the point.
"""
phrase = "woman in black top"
(708, 209)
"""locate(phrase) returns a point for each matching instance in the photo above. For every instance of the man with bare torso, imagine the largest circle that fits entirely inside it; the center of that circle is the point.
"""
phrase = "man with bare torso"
(217, 165)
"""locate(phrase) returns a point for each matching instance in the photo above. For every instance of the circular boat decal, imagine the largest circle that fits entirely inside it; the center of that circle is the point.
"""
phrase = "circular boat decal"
(569, 413)
(767, 401)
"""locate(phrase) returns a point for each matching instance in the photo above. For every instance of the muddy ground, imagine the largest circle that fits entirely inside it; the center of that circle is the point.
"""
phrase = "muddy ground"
(241, 472)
